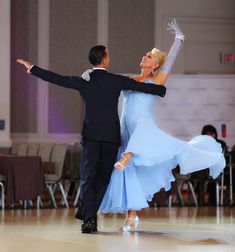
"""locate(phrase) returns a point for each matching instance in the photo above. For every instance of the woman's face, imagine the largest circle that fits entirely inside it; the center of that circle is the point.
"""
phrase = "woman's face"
(148, 61)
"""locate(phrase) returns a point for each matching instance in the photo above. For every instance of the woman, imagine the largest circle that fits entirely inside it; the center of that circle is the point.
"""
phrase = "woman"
(147, 154)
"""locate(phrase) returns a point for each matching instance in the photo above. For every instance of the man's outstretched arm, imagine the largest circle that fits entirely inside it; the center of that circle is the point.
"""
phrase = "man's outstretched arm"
(73, 82)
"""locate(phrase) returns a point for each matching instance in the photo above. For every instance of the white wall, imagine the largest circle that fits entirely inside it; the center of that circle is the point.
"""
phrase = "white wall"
(208, 26)
(195, 100)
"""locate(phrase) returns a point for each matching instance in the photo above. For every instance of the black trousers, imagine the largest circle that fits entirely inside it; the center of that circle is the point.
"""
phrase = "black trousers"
(97, 164)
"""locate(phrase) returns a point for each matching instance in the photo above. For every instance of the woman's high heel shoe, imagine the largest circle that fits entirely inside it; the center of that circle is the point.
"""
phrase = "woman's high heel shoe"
(132, 222)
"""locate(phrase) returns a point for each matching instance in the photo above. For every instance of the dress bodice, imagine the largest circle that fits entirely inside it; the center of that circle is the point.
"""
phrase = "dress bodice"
(137, 105)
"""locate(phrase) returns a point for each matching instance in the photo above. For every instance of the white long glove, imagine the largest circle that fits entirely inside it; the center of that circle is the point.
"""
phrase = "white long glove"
(175, 29)
(179, 39)
(86, 74)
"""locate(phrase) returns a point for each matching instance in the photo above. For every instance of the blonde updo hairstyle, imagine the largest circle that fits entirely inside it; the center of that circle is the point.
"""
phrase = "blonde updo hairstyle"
(159, 56)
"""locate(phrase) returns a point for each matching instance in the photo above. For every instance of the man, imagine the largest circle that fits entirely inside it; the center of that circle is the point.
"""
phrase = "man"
(101, 127)
(210, 130)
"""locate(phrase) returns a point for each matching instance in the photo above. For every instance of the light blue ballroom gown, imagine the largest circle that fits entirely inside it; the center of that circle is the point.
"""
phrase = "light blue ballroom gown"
(155, 154)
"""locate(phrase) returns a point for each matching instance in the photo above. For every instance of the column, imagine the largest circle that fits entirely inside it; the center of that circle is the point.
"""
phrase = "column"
(5, 64)
(43, 61)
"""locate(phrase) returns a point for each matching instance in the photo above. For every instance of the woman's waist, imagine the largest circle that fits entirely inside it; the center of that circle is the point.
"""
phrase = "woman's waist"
(133, 118)
(137, 112)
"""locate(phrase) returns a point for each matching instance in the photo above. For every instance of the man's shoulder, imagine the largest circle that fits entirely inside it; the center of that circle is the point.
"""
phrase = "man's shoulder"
(117, 76)
(107, 74)
(222, 142)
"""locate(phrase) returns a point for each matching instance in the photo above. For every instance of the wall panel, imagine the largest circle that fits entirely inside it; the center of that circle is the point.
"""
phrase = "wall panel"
(73, 31)
(23, 86)
(131, 33)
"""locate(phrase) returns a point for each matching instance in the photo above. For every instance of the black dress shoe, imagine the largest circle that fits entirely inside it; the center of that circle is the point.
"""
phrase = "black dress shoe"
(93, 224)
(86, 227)
(89, 226)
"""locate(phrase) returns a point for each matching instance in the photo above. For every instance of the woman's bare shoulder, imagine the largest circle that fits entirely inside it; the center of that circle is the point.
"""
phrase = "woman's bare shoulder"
(136, 78)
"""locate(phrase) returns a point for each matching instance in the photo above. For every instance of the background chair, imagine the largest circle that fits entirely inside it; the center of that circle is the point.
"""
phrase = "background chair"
(22, 149)
(44, 151)
(55, 180)
(71, 171)
(33, 149)
(14, 148)
(180, 181)
(2, 180)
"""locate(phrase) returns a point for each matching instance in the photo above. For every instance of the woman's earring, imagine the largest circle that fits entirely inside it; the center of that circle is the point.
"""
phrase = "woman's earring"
(153, 71)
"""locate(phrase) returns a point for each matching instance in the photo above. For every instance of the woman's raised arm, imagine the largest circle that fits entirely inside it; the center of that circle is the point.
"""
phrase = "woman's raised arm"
(161, 77)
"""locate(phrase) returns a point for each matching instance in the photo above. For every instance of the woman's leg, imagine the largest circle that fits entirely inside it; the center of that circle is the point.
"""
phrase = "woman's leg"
(131, 215)
(132, 220)
(123, 161)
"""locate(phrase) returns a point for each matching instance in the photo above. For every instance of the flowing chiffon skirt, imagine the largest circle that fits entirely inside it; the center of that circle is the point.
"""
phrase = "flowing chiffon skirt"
(155, 154)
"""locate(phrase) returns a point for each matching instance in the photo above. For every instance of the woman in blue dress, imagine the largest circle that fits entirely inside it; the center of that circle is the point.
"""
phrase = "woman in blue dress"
(148, 154)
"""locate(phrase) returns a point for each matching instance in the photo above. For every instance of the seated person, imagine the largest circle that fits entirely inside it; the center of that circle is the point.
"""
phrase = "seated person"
(211, 131)
(202, 176)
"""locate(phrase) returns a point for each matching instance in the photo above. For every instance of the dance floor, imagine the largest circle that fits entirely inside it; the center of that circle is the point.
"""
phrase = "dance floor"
(160, 229)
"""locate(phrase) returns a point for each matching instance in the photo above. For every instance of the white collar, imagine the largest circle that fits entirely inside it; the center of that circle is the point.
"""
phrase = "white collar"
(99, 68)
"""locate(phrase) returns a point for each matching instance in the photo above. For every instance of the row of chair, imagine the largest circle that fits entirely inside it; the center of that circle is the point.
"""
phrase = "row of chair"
(52, 156)
(65, 169)
(44, 150)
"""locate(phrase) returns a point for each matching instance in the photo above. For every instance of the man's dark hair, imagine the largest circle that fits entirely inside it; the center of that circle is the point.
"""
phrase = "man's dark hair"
(209, 129)
(97, 54)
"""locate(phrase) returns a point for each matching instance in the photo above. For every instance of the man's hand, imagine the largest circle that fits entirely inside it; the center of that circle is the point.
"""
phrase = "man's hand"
(27, 64)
